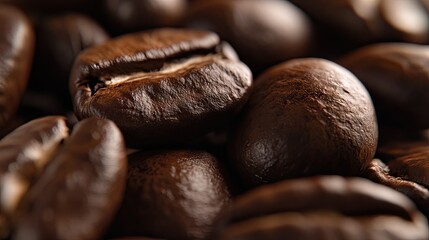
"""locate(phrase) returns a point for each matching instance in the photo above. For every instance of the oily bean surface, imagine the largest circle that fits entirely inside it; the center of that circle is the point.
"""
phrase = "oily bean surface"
(24, 154)
(323, 207)
(16, 56)
(172, 194)
(396, 76)
(304, 117)
(77, 195)
(159, 82)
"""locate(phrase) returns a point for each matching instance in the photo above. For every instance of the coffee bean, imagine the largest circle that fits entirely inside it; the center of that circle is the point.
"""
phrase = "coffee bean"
(172, 194)
(161, 86)
(16, 53)
(357, 21)
(304, 117)
(400, 145)
(134, 15)
(406, 19)
(326, 207)
(69, 191)
(24, 154)
(264, 33)
(405, 166)
(397, 77)
(378, 172)
(59, 41)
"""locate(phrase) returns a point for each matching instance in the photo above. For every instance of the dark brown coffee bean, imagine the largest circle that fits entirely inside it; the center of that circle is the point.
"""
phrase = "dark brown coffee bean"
(24, 154)
(397, 77)
(133, 15)
(327, 207)
(401, 145)
(78, 193)
(59, 41)
(414, 166)
(264, 33)
(378, 172)
(173, 194)
(357, 21)
(304, 117)
(407, 20)
(161, 86)
(16, 56)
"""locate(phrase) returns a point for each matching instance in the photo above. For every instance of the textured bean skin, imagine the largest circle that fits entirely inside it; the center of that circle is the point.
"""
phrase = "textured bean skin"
(403, 165)
(304, 117)
(172, 194)
(164, 81)
(396, 75)
(326, 207)
(16, 55)
(378, 172)
(78, 194)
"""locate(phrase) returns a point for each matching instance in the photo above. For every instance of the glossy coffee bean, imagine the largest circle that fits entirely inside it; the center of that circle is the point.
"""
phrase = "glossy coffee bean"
(327, 207)
(134, 15)
(161, 86)
(172, 194)
(24, 154)
(75, 187)
(356, 21)
(407, 20)
(396, 75)
(16, 56)
(59, 40)
(304, 117)
(264, 33)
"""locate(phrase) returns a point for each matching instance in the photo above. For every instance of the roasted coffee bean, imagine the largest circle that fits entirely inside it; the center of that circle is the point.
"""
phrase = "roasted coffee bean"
(304, 117)
(16, 56)
(59, 41)
(24, 154)
(406, 19)
(161, 86)
(406, 165)
(326, 207)
(399, 144)
(264, 33)
(69, 191)
(357, 21)
(397, 77)
(172, 194)
(378, 172)
(133, 15)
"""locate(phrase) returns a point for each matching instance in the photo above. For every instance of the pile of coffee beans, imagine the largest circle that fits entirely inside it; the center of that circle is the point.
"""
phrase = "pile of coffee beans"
(214, 119)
